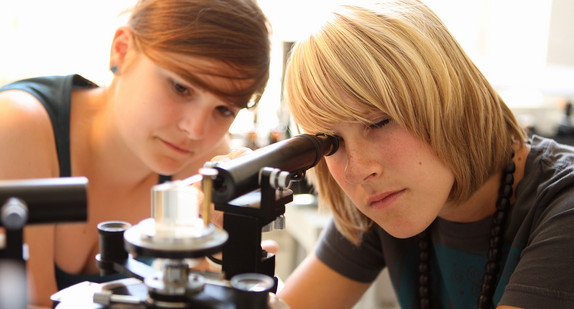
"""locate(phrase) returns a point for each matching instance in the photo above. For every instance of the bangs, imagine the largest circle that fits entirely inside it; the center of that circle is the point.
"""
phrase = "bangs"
(319, 97)
(220, 46)
(242, 87)
(337, 75)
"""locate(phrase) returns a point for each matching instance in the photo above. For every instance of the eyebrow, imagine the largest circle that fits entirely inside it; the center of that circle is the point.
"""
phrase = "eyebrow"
(187, 83)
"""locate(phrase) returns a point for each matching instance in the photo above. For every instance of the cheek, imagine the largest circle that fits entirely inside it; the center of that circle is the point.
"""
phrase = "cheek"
(216, 129)
(334, 166)
(221, 124)
(337, 169)
(142, 114)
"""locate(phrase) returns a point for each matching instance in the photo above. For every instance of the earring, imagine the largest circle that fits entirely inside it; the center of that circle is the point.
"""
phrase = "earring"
(114, 69)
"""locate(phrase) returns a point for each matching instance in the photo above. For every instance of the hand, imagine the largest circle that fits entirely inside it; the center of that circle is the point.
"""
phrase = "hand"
(270, 246)
(232, 155)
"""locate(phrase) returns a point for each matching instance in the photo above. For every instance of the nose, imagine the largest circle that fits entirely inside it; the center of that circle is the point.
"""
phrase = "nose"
(361, 165)
(195, 122)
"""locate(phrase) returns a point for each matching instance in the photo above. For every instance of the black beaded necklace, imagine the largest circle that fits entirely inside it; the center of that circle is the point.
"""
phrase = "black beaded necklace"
(494, 251)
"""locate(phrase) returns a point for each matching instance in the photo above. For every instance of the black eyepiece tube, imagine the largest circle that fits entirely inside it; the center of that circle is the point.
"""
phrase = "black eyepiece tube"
(49, 200)
(294, 155)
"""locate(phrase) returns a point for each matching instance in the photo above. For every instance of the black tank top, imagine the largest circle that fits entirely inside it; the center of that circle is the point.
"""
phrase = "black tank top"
(55, 94)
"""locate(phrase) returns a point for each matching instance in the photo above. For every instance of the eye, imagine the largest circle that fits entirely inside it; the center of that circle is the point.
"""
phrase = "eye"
(227, 111)
(180, 89)
(380, 124)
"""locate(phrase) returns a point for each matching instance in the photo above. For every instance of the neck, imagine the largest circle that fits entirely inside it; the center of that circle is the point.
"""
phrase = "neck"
(481, 203)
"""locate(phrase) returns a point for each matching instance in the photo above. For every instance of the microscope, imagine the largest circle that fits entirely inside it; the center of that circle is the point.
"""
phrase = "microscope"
(26, 202)
(251, 191)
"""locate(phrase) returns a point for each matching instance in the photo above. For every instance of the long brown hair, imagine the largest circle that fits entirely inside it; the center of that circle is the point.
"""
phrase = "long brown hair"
(231, 32)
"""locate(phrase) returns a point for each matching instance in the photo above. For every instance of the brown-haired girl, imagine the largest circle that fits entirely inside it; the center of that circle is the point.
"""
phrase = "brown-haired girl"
(183, 69)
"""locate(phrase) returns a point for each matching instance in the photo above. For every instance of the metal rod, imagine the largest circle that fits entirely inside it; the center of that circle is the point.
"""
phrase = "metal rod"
(207, 183)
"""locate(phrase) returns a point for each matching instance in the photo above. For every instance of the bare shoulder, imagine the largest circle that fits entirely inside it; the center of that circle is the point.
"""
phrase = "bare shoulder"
(26, 137)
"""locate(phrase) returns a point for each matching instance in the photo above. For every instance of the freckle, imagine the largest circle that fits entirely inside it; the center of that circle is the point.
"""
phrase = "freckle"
(420, 163)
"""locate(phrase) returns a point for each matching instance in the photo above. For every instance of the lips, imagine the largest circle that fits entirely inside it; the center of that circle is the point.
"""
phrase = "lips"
(177, 148)
(384, 199)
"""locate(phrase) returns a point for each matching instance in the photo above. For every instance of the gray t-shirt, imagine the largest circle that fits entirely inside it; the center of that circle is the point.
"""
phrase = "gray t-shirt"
(538, 252)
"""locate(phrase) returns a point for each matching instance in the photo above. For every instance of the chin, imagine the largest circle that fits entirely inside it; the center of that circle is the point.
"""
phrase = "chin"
(404, 230)
(168, 168)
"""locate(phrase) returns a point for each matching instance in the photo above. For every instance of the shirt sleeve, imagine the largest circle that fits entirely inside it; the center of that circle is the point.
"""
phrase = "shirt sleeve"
(544, 271)
(362, 263)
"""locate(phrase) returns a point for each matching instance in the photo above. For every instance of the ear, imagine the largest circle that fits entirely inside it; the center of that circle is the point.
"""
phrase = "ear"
(121, 45)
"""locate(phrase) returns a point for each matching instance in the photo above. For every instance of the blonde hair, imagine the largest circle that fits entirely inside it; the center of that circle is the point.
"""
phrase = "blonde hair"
(232, 32)
(399, 58)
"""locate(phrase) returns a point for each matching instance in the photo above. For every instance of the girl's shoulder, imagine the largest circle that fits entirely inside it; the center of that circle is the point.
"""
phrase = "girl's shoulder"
(26, 137)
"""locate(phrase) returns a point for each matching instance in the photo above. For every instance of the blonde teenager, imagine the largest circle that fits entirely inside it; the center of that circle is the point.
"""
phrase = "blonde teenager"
(434, 178)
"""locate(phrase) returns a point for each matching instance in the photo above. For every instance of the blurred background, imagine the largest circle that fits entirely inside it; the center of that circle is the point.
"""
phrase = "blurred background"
(524, 47)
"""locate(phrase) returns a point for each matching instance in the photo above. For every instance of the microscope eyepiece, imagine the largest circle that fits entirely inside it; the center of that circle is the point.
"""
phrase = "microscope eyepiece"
(294, 155)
